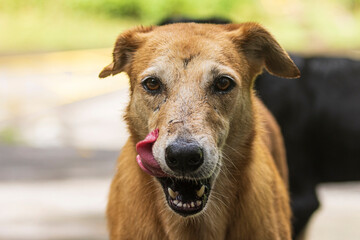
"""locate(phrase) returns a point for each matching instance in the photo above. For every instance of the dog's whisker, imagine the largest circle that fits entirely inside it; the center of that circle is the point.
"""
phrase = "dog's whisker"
(234, 150)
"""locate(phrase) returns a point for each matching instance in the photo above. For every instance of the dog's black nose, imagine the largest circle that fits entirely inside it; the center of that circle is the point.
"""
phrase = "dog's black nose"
(184, 156)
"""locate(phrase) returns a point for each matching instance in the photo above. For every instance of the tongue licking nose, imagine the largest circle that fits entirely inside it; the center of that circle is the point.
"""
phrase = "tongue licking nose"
(146, 159)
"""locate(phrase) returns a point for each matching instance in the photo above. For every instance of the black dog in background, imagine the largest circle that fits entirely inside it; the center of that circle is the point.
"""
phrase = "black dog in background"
(319, 115)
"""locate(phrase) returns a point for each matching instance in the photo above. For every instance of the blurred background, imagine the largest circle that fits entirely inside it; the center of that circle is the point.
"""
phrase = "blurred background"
(61, 127)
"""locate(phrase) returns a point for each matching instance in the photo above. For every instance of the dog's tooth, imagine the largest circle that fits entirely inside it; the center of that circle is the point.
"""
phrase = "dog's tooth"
(175, 202)
(179, 204)
(172, 193)
(187, 205)
(201, 191)
(192, 204)
(198, 203)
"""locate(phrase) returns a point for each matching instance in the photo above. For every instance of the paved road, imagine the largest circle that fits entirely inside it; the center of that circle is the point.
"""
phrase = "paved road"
(26, 164)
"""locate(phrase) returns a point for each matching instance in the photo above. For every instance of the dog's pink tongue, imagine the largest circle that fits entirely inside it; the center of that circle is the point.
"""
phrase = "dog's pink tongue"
(146, 159)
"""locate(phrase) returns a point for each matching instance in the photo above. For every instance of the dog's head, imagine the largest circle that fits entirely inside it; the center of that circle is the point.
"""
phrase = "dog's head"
(191, 89)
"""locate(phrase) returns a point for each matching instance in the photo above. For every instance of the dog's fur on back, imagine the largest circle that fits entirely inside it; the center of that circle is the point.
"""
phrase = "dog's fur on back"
(243, 149)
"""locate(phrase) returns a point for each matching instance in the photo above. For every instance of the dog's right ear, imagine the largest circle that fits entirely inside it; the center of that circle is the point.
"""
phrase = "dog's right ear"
(125, 46)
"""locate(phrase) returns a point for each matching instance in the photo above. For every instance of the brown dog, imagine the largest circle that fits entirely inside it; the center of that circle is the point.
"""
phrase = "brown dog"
(212, 165)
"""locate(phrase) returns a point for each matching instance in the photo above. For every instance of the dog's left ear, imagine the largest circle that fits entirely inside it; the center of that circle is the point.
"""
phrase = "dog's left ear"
(262, 50)
(125, 47)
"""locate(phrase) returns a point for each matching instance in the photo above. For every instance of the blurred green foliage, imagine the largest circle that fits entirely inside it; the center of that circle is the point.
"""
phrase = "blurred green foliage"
(300, 25)
(155, 10)
(144, 10)
(9, 135)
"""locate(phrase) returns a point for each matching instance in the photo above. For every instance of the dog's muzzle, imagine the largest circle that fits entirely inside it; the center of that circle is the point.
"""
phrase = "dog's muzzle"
(184, 196)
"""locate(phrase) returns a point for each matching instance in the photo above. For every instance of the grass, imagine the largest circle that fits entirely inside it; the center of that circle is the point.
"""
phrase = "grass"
(33, 30)
(52, 25)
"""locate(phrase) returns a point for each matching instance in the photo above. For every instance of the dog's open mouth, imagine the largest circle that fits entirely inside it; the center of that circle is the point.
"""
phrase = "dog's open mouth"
(185, 197)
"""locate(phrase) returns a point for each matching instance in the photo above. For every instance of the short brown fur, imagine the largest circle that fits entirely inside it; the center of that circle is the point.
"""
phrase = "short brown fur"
(249, 199)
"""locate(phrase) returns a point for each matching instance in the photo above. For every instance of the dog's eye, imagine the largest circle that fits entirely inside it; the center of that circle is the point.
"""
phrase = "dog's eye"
(223, 84)
(151, 84)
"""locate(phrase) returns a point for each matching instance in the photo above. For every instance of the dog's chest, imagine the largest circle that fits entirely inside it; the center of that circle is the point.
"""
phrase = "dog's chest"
(204, 227)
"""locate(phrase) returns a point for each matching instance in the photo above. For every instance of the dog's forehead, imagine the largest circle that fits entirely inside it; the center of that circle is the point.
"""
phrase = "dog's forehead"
(185, 40)
(189, 29)
(188, 48)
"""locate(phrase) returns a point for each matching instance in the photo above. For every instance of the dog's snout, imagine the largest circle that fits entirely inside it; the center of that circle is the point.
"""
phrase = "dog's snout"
(184, 156)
